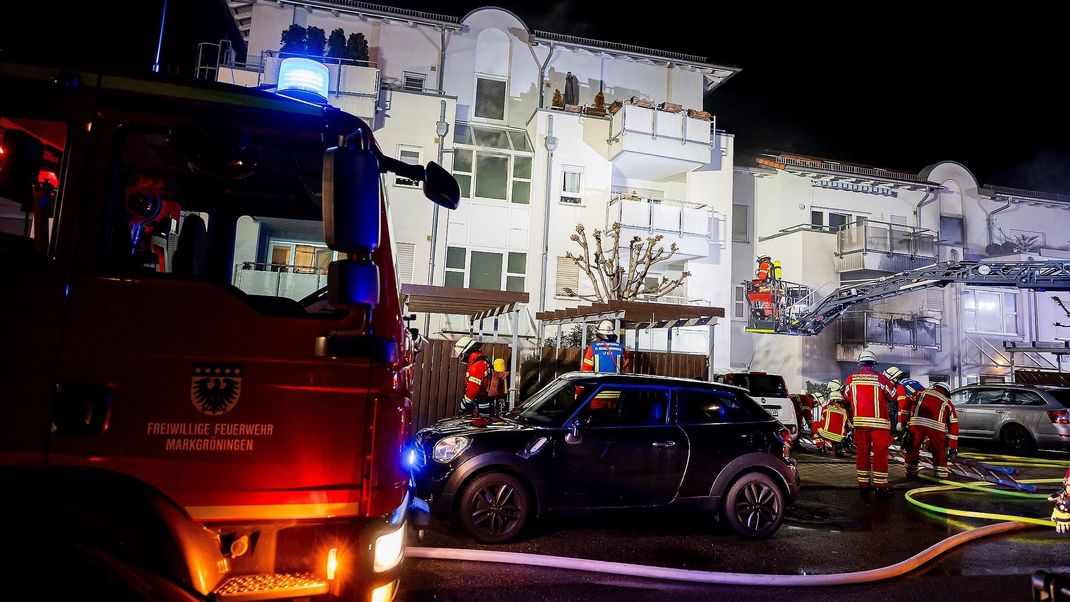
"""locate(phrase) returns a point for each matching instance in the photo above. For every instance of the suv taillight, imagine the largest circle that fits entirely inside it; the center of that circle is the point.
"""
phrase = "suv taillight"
(1059, 416)
(785, 436)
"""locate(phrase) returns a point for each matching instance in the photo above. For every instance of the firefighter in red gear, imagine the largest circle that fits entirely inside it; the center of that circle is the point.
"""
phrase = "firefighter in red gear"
(831, 429)
(869, 393)
(932, 417)
(761, 291)
(477, 379)
(835, 421)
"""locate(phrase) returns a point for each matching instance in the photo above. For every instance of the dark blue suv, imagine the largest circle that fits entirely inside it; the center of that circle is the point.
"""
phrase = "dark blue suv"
(590, 441)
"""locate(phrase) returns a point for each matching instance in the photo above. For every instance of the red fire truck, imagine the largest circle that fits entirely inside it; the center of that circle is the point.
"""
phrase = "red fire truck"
(205, 376)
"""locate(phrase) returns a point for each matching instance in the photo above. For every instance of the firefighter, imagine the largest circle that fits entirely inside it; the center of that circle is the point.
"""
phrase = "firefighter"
(761, 292)
(932, 417)
(906, 389)
(498, 389)
(477, 377)
(1060, 514)
(869, 393)
(605, 354)
(834, 425)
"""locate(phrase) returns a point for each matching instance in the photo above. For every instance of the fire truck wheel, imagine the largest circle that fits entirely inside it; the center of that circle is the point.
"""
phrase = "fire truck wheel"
(494, 507)
(754, 506)
(1016, 439)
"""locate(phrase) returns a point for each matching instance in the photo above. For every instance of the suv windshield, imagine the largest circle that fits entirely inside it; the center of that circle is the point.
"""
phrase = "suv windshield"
(1061, 395)
(552, 405)
(761, 385)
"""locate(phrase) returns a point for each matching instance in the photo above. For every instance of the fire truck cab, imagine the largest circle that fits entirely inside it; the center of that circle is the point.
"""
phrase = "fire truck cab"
(205, 376)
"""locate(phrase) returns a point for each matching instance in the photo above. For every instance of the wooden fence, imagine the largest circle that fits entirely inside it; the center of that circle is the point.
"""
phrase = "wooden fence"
(439, 377)
(1041, 377)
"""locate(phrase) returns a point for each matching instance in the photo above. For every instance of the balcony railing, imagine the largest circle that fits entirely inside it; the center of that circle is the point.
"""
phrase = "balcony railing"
(660, 216)
(279, 280)
(873, 245)
(891, 329)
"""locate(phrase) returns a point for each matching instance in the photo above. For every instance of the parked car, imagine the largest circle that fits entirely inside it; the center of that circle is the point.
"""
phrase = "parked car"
(1022, 417)
(770, 391)
(598, 441)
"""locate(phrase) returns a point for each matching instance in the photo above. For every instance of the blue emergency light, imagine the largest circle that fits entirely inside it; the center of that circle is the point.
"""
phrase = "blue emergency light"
(304, 79)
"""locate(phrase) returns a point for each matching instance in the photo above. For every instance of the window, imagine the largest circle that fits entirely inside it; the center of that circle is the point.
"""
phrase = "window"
(626, 406)
(516, 267)
(715, 406)
(31, 151)
(951, 230)
(834, 218)
(490, 98)
(414, 82)
(568, 277)
(485, 269)
(493, 163)
(960, 398)
(410, 155)
(456, 261)
(572, 185)
(740, 223)
(987, 311)
(1028, 398)
(992, 397)
(739, 303)
(406, 259)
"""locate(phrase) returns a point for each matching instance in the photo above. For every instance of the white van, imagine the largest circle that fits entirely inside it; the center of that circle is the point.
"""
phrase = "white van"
(770, 391)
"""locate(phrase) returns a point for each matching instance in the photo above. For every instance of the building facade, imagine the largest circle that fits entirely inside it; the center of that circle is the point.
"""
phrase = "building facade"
(543, 132)
(832, 223)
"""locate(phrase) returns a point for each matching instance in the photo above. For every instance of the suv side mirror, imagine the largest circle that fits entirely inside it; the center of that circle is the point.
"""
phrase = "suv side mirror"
(574, 435)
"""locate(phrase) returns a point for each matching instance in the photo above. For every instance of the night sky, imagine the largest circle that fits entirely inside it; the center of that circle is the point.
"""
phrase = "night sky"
(898, 87)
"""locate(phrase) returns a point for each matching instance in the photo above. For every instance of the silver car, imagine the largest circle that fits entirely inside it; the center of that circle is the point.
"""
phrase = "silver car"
(1021, 417)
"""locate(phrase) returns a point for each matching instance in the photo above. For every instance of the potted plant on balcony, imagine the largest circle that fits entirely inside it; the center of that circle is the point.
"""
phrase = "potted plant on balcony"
(336, 44)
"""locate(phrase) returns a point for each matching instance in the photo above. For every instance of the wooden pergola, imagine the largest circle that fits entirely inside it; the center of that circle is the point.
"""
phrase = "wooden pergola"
(479, 305)
(633, 315)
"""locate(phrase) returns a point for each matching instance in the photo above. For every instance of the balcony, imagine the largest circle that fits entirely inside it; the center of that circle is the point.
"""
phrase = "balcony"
(908, 338)
(871, 246)
(279, 280)
(690, 225)
(652, 144)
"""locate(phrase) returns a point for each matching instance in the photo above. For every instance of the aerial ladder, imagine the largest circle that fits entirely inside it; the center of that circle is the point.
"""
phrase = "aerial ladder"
(793, 309)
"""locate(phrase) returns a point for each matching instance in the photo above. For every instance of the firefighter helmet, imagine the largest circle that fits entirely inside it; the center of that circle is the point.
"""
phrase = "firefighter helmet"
(464, 346)
(893, 373)
(867, 357)
(605, 328)
(943, 387)
(835, 385)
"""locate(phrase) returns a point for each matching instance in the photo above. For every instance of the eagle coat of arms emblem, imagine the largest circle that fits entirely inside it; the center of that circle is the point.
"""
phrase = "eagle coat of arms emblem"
(215, 388)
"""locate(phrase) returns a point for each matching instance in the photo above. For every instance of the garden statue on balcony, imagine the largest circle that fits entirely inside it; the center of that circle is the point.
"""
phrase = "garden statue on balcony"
(558, 102)
(599, 108)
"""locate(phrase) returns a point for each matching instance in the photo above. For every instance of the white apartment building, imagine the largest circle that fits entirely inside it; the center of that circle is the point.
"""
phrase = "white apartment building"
(476, 94)
(830, 223)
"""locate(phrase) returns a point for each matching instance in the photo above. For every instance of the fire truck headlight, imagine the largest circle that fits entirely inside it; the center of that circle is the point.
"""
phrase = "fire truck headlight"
(449, 448)
(389, 549)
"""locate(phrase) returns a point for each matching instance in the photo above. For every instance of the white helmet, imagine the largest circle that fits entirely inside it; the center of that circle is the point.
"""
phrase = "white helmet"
(943, 387)
(867, 356)
(605, 328)
(893, 373)
(834, 385)
(464, 345)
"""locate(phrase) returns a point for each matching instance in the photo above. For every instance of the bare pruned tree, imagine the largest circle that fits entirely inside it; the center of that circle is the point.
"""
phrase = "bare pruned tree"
(613, 281)
(1062, 306)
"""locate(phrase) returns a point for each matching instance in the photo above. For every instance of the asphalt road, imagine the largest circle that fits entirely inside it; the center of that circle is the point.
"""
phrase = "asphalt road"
(832, 528)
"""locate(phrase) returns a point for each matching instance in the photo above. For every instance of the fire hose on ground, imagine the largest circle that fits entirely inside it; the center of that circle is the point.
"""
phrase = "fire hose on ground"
(1010, 523)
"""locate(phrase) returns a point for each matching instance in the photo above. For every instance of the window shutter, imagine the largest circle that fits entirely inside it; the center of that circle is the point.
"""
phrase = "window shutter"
(568, 276)
(740, 223)
(406, 256)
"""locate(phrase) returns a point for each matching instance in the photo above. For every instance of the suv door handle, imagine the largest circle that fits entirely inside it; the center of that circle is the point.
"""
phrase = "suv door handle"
(1001, 411)
(664, 443)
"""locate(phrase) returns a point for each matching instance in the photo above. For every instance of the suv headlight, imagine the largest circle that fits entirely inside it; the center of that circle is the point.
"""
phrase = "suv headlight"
(449, 448)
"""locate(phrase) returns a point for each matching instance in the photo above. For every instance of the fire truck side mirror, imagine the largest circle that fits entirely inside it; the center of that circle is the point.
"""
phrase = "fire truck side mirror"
(441, 187)
(351, 282)
(351, 206)
(19, 167)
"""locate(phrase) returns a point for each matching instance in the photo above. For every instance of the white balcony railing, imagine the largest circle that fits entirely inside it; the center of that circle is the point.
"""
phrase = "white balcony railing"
(653, 144)
(691, 226)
